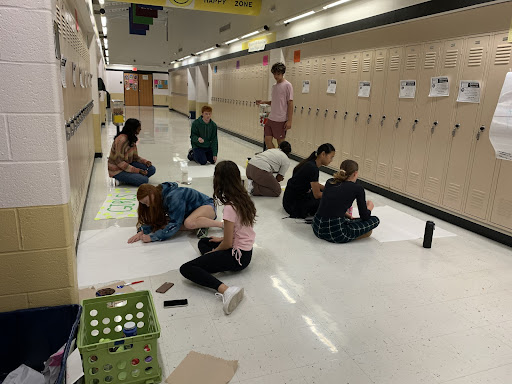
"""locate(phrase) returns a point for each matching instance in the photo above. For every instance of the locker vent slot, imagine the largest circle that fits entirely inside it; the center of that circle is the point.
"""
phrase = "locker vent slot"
(432, 185)
(430, 60)
(453, 192)
(410, 64)
(505, 208)
(379, 64)
(366, 64)
(57, 18)
(477, 199)
(475, 56)
(307, 70)
(394, 64)
(502, 54)
(333, 68)
(450, 60)
(343, 66)
(301, 69)
(368, 164)
(414, 179)
(355, 66)
(381, 170)
(324, 68)
(315, 68)
(293, 71)
(397, 173)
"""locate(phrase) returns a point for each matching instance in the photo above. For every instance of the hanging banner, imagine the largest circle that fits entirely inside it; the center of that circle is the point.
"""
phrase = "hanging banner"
(238, 7)
(500, 133)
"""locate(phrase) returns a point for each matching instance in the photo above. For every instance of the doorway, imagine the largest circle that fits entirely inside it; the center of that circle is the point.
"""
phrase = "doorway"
(138, 89)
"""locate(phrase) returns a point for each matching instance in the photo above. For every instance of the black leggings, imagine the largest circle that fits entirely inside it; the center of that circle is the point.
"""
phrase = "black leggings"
(199, 270)
(301, 208)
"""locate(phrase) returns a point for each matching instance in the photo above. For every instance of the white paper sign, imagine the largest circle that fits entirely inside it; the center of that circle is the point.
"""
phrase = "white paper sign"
(469, 91)
(500, 133)
(407, 89)
(145, 77)
(74, 369)
(74, 74)
(364, 89)
(63, 61)
(305, 86)
(258, 45)
(331, 86)
(439, 87)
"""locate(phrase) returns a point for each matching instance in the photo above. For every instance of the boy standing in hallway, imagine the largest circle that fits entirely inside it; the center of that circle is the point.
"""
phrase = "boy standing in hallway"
(280, 118)
(203, 138)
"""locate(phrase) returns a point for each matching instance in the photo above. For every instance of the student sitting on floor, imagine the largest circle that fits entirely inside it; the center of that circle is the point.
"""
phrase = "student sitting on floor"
(203, 138)
(303, 191)
(332, 222)
(232, 252)
(124, 163)
(167, 208)
(261, 168)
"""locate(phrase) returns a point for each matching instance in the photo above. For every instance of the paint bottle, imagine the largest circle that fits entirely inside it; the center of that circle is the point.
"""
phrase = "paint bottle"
(429, 232)
(130, 329)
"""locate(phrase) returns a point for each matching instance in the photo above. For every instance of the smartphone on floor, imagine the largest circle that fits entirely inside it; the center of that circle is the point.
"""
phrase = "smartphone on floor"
(175, 303)
(164, 287)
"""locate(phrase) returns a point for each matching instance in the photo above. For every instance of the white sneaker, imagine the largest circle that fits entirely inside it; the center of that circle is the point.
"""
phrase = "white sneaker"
(250, 186)
(231, 298)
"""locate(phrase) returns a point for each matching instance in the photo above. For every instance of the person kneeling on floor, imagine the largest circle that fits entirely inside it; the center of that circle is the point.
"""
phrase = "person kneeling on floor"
(261, 168)
(233, 251)
(332, 222)
(166, 208)
(203, 137)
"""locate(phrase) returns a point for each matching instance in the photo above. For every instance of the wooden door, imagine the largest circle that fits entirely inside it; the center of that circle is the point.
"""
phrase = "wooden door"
(131, 89)
(146, 90)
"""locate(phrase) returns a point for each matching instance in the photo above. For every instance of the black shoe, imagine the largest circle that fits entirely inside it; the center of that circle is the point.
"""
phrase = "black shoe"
(190, 155)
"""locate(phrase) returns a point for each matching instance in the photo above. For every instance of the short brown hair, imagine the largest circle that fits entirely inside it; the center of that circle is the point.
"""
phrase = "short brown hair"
(206, 108)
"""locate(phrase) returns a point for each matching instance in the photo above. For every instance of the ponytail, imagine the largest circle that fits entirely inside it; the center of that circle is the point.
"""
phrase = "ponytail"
(347, 169)
(327, 148)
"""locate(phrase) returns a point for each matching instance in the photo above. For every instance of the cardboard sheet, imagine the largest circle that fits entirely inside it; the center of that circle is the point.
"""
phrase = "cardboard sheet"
(105, 256)
(196, 171)
(198, 368)
(119, 204)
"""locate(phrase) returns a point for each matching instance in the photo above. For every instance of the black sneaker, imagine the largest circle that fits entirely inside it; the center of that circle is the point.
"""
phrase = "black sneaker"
(202, 232)
(190, 155)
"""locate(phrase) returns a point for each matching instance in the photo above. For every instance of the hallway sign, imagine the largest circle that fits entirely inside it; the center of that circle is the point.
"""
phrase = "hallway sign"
(239, 7)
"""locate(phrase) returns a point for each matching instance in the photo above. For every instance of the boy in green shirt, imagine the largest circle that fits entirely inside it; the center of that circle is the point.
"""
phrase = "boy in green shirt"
(203, 138)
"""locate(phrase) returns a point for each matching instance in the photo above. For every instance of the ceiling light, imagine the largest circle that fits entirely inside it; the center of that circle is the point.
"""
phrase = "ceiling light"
(106, 52)
(298, 17)
(336, 3)
(186, 57)
(209, 49)
(231, 41)
(174, 61)
(104, 31)
(250, 34)
(101, 2)
(198, 53)
(105, 43)
(103, 21)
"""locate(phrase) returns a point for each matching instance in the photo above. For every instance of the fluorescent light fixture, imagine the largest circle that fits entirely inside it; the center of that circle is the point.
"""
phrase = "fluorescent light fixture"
(336, 3)
(231, 41)
(101, 2)
(103, 21)
(186, 57)
(104, 31)
(105, 43)
(106, 52)
(250, 34)
(298, 17)
(198, 53)
(209, 49)
(174, 61)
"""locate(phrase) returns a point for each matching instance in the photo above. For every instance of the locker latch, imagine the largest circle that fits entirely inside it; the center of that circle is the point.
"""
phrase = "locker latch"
(317, 110)
(346, 114)
(382, 120)
(457, 126)
(434, 127)
(301, 109)
(335, 114)
(294, 109)
(398, 122)
(414, 125)
(325, 113)
(309, 110)
(369, 118)
(482, 129)
(357, 116)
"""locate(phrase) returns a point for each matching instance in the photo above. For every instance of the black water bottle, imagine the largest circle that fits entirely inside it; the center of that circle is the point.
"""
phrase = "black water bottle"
(429, 232)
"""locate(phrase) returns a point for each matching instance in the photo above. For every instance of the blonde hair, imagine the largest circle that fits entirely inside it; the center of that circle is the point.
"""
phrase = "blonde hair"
(347, 169)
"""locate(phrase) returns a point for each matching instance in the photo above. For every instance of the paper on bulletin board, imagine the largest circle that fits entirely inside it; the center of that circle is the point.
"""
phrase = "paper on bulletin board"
(305, 86)
(407, 89)
(439, 87)
(469, 91)
(500, 133)
(364, 89)
(331, 86)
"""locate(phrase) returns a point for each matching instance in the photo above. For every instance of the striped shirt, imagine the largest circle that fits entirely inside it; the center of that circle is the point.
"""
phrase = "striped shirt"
(122, 155)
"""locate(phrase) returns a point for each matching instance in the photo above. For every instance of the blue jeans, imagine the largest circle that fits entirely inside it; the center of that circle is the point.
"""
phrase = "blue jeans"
(136, 178)
(202, 155)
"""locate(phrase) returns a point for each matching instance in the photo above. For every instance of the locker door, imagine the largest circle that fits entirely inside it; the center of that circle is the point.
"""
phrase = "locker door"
(329, 112)
(444, 114)
(291, 135)
(327, 101)
(502, 205)
(466, 121)
(351, 110)
(407, 123)
(363, 108)
(389, 116)
(301, 109)
(311, 101)
(340, 106)
(369, 168)
(321, 103)
(430, 61)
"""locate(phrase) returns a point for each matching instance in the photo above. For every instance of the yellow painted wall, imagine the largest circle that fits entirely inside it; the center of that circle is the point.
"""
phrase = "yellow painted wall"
(160, 100)
(117, 96)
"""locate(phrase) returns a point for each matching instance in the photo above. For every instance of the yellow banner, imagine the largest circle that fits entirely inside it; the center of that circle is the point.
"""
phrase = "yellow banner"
(239, 7)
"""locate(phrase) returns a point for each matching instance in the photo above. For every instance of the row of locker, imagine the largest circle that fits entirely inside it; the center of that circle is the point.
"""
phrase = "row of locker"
(432, 149)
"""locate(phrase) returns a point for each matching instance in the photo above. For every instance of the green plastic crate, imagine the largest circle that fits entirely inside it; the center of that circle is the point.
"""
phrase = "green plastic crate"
(130, 360)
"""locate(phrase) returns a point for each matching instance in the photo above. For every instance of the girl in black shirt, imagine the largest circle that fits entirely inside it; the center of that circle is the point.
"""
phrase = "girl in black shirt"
(331, 221)
(303, 191)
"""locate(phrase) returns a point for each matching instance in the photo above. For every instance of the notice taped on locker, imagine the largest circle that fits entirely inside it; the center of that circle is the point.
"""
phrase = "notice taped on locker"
(364, 89)
(440, 87)
(407, 89)
(469, 91)
(305, 86)
(331, 86)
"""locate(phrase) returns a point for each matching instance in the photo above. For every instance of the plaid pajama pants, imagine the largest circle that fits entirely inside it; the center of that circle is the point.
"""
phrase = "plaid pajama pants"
(342, 229)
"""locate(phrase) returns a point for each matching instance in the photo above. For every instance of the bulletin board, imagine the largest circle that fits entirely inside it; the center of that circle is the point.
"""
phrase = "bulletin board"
(131, 81)
(160, 84)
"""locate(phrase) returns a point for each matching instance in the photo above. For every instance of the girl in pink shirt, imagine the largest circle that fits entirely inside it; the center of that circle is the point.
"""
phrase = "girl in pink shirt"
(232, 252)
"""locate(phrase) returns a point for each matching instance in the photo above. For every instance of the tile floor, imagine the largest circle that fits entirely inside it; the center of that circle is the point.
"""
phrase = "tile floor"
(314, 312)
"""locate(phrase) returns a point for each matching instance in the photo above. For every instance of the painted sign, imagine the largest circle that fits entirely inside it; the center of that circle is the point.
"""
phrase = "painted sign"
(238, 7)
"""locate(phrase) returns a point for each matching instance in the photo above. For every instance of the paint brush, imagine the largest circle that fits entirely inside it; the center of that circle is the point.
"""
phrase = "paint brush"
(135, 282)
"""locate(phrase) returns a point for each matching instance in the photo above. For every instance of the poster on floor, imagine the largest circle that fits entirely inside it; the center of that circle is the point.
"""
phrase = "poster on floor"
(439, 87)
(119, 204)
(469, 92)
(407, 89)
(500, 133)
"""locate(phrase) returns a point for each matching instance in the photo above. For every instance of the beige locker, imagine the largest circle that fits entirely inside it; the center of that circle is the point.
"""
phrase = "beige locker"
(389, 117)
(363, 108)
(429, 66)
(299, 124)
(340, 106)
(466, 121)
(502, 205)
(352, 116)
(443, 114)
(368, 169)
(311, 73)
(327, 101)
(408, 120)
(292, 134)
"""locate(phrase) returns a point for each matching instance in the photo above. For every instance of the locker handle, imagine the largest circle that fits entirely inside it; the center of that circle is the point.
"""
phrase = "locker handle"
(369, 118)
(335, 114)
(317, 110)
(454, 131)
(346, 114)
(382, 120)
(357, 116)
(326, 111)
(482, 129)
(414, 125)
(309, 110)
(398, 122)
(294, 109)
(434, 125)
(301, 109)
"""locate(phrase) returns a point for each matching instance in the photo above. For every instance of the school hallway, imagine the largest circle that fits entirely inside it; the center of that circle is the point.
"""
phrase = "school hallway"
(315, 312)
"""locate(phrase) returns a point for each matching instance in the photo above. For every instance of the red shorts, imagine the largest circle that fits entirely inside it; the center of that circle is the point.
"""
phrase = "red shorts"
(275, 129)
